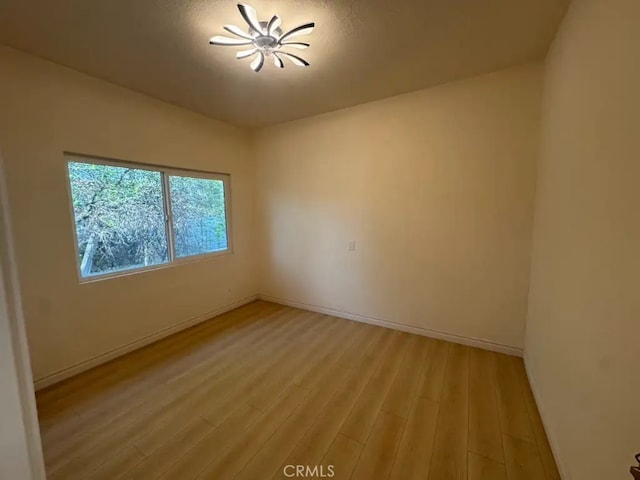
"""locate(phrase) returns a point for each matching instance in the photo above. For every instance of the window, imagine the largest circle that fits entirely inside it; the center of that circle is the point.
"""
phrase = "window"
(130, 216)
(197, 207)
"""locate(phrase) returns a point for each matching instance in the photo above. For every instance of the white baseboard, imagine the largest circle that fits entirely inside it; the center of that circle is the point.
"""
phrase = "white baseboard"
(469, 341)
(129, 347)
(551, 437)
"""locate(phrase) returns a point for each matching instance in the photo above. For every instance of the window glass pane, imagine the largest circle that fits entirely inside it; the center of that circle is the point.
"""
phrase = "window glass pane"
(198, 209)
(119, 216)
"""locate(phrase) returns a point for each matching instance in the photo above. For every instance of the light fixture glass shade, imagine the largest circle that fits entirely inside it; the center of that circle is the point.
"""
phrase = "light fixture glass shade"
(266, 38)
(220, 40)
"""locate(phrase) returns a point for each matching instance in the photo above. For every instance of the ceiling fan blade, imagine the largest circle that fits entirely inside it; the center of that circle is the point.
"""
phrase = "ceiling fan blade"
(237, 32)
(219, 40)
(305, 29)
(257, 64)
(301, 62)
(250, 16)
(246, 53)
(274, 23)
(277, 60)
(300, 45)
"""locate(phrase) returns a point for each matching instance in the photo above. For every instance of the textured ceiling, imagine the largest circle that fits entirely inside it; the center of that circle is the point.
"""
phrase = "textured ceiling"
(361, 50)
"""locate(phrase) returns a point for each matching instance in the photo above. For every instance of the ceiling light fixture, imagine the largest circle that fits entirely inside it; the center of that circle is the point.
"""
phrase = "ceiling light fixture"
(265, 38)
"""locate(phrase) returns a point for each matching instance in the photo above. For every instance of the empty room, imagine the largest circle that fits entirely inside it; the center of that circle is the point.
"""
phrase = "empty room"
(317, 239)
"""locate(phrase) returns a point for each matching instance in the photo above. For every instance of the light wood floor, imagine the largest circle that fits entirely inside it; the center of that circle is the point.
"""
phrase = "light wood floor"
(266, 386)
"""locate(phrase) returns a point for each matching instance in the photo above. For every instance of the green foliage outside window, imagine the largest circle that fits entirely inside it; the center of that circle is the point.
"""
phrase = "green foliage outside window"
(120, 216)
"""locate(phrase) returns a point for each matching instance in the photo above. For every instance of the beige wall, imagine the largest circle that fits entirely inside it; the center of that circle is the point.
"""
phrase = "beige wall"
(14, 446)
(20, 448)
(583, 328)
(47, 109)
(435, 187)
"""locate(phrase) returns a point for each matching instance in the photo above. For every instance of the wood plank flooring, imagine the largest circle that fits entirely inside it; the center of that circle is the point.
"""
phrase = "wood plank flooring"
(266, 386)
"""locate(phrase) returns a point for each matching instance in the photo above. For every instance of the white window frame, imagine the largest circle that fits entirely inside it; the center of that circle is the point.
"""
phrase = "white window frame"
(165, 173)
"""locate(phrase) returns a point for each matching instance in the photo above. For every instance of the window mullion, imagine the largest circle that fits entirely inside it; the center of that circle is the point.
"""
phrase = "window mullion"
(166, 192)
